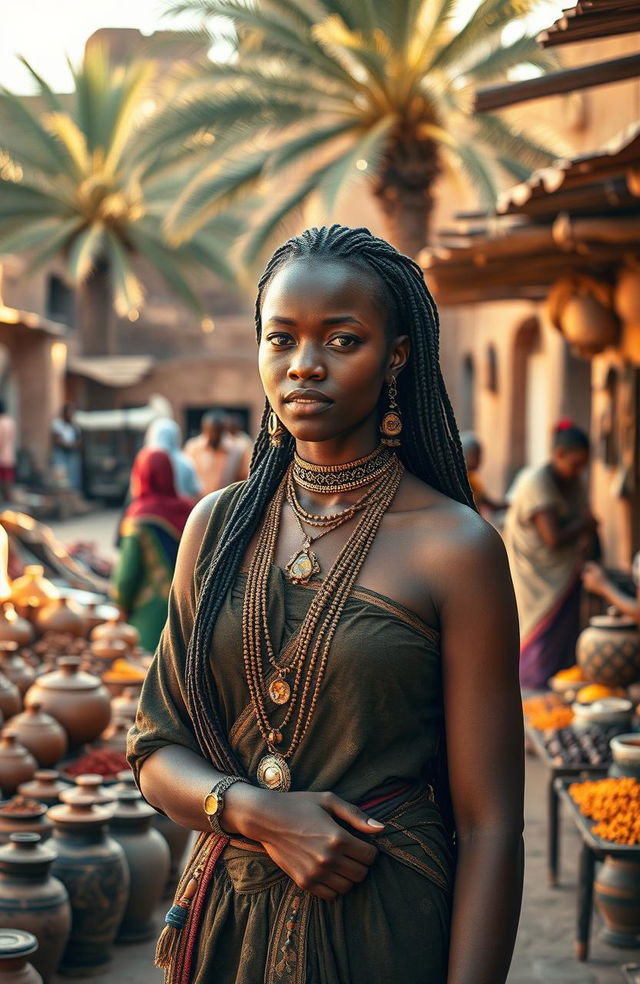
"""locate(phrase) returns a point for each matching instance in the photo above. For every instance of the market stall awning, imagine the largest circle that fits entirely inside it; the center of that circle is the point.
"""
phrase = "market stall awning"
(591, 19)
(14, 318)
(113, 370)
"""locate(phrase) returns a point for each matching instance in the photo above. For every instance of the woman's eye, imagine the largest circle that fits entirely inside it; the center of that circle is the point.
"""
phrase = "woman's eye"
(344, 341)
(279, 339)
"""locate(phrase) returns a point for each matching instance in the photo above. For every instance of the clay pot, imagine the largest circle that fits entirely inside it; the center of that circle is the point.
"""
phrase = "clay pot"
(113, 628)
(617, 896)
(94, 871)
(16, 947)
(177, 838)
(148, 857)
(115, 735)
(88, 786)
(625, 753)
(581, 308)
(16, 763)
(103, 652)
(608, 650)
(32, 590)
(125, 782)
(14, 628)
(19, 815)
(126, 705)
(61, 616)
(32, 899)
(41, 734)
(10, 697)
(45, 786)
(77, 700)
(14, 667)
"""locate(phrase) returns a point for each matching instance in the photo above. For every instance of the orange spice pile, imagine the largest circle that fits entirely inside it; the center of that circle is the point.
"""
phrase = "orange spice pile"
(547, 711)
(614, 804)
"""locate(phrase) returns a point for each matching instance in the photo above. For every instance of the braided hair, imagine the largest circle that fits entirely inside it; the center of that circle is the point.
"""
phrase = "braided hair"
(430, 449)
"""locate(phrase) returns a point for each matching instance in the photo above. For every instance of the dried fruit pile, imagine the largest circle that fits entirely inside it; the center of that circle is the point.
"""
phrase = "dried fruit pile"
(614, 804)
(547, 711)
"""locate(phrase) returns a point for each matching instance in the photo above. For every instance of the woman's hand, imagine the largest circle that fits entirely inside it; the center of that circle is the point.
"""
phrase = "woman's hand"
(298, 831)
(594, 578)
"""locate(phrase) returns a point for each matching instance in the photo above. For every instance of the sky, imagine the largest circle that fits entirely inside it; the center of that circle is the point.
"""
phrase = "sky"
(45, 32)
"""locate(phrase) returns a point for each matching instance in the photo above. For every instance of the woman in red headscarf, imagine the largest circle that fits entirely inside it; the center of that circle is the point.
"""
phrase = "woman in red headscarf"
(150, 534)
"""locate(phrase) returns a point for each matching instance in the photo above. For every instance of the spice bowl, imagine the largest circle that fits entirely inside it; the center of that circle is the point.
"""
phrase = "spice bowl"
(604, 712)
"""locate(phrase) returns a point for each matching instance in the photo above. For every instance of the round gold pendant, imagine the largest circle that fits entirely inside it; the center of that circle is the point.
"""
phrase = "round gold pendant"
(274, 773)
(391, 424)
(279, 691)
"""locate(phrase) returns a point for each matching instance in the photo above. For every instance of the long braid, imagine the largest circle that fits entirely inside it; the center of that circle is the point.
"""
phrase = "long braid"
(431, 448)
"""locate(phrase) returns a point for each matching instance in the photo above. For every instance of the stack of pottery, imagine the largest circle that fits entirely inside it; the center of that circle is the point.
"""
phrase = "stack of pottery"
(77, 700)
(608, 650)
(16, 763)
(148, 858)
(94, 871)
(32, 899)
(41, 734)
(16, 947)
(45, 787)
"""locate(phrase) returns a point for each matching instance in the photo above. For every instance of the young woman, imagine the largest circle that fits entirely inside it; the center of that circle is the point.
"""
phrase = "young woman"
(149, 536)
(549, 532)
(339, 667)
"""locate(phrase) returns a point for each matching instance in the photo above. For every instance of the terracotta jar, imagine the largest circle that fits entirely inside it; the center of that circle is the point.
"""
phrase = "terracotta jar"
(10, 697)
(32, 899)
(125, 782)
(14, 628)
(77, 700)
(94, 871)
(41, 734)
(147, 854)
(608, 650)
(14, 667)
(16, 947)
(103, 652)
(113, 628)
(45, 786)
(32, 590)
(617, 896)
(90, 786)
(21, 814)
(115, 734)
(61, 616)
(16, 763)
(177, 838)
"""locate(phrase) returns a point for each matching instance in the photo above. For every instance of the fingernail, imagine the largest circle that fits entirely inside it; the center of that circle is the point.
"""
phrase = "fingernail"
(375, 823)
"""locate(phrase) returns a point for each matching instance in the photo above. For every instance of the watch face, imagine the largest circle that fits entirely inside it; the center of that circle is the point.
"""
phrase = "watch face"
(211, 804)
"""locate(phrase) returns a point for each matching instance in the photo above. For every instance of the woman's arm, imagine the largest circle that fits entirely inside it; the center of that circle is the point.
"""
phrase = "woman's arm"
(556, 535)
(595, 580)
(485, 747)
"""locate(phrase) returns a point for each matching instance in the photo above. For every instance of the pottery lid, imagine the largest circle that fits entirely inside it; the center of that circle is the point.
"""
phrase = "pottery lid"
(35, 716)
(68, 676)
(131, 806)
(82, 811)
(88, 785)
(27, 848)
(613, 620)
(16, 943)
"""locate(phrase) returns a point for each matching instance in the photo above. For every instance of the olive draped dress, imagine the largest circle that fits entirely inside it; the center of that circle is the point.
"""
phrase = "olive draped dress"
(377, 729)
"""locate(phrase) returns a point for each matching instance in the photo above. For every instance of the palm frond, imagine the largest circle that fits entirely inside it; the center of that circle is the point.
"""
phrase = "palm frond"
(128, 292)
(513, 168)
(369, 150)
(55, 244)
(18, 237)
(163, 258)
(71, 138)
(86, 249)
(478, 172)
(484, 24)
(496, 63)
(296, 148)
(19, 199)
(24, 138)
(506, 140)
(122, 129)
(50, 98)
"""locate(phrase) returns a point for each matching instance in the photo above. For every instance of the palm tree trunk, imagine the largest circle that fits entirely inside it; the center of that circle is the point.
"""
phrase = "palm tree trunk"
(405, 192)
(94, 313)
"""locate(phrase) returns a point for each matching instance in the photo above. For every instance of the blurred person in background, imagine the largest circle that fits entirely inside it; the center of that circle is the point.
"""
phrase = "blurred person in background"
(472, 450)
(149, 538)
(164, 435)
(217, 462)
(7, 452)
(596, 580)
(549, 532)
(65, 437)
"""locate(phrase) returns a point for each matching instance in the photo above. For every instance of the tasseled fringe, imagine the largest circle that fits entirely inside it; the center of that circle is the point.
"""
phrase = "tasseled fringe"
(171, 944)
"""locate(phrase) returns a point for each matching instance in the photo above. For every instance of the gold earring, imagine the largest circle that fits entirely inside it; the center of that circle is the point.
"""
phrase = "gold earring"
(391, 425)
(275, 430)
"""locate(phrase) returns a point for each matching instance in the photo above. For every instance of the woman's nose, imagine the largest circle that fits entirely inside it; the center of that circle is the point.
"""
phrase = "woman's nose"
(306, 363)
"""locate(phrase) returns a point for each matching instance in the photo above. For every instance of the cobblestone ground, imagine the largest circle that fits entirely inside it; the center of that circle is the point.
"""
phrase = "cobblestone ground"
(544, 951)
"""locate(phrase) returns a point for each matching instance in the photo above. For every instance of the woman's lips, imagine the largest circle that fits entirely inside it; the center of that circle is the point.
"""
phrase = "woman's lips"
(306, 406)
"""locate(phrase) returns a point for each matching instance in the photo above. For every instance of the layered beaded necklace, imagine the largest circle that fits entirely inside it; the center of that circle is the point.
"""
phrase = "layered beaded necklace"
(293, 687)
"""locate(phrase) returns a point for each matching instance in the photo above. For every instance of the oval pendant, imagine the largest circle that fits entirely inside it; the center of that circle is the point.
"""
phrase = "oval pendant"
(274, 773)
(279, 691)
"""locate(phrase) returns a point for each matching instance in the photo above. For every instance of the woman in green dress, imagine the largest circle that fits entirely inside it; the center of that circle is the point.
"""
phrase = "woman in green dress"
(334, 703)
(149, 536)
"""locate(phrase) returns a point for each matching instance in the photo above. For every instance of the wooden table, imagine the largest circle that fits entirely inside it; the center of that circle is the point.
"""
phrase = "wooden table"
(556, 771)
(593, 849)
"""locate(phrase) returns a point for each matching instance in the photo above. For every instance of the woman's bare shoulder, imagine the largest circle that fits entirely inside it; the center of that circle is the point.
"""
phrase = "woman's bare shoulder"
(197, 527)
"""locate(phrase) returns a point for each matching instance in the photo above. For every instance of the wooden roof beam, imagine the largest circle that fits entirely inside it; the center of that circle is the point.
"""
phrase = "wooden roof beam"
(557, 83)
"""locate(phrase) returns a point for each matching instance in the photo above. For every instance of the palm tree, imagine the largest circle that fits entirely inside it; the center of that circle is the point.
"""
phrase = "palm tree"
(319, 92)
(75, 183)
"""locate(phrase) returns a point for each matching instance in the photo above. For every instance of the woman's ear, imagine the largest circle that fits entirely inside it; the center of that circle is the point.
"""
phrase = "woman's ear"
(399, 354)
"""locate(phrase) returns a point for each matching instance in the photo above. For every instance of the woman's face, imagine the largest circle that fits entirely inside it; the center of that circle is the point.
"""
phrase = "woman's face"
(570, 463)
(325, 352)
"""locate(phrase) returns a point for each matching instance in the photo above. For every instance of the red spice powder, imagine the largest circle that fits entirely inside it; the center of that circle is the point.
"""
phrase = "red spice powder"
(105, 762)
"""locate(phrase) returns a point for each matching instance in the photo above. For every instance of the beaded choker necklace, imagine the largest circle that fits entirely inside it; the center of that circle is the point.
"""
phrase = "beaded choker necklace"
(332, 479)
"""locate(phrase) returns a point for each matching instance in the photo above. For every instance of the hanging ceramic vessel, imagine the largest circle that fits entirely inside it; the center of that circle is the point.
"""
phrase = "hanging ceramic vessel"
(581, 308)
(16, 763)
(32, 899)
(16, 947)
(41, 734)
(147, 855)
(77, 700)
(13, 666)
(94, 871)
(45, 786)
